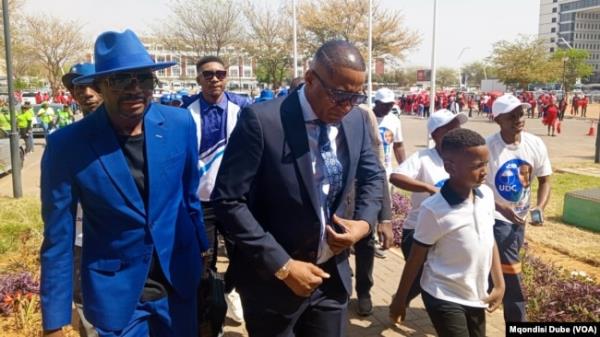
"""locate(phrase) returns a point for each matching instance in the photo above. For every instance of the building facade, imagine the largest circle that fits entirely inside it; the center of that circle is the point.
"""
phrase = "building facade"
(240, 68)
(572, 24)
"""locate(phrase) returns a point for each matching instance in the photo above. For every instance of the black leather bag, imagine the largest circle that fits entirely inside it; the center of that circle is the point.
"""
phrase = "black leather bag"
(212, 306)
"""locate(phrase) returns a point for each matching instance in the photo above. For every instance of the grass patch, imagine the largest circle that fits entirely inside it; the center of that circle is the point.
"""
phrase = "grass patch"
(19, 218)
(581, 244)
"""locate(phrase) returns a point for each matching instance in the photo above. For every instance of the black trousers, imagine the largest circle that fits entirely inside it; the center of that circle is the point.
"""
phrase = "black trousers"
(272, 310)
(454, 320)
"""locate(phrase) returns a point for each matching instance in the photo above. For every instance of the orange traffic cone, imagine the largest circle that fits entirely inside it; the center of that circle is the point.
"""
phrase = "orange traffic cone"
(592, 130)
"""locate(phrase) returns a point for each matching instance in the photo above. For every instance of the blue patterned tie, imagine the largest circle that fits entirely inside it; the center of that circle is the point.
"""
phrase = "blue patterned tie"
(333, 168)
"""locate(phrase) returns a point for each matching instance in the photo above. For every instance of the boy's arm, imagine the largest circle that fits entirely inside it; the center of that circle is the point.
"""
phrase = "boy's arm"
(418, 254)
(410, 184)
(495, 298)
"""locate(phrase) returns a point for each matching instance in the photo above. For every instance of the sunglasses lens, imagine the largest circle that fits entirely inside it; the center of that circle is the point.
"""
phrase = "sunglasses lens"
(354, 99)
(220, 74)
(122, 81)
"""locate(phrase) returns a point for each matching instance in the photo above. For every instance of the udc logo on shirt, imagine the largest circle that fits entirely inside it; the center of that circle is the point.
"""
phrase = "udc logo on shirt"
(512, 179)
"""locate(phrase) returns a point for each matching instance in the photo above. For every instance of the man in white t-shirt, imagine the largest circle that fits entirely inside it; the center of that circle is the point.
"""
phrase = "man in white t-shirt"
(516, 158)
(423, 174)
(390, 128)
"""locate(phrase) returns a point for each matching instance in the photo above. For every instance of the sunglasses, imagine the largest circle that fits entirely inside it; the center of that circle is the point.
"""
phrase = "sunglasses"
(340, 97)
(209, 74)
(121, 81)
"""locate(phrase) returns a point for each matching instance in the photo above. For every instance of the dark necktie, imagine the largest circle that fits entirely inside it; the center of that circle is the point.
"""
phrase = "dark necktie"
(333, 168)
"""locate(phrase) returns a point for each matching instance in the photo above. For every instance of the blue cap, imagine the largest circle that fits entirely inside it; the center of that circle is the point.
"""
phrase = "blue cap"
(78, 70)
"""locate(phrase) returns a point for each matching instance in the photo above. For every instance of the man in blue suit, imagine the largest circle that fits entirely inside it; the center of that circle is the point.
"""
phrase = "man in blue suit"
(288, 167)
(132, 165)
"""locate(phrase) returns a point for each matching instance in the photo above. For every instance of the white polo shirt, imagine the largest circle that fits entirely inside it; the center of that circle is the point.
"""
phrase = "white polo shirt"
(460, 237)
(426, 166)
(512, 169)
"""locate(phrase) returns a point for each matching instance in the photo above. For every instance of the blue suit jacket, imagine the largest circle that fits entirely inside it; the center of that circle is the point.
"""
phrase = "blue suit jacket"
(84, 162)
(265, 196)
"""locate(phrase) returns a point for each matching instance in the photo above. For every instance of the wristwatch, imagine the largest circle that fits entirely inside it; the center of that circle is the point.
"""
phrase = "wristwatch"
(284, 271)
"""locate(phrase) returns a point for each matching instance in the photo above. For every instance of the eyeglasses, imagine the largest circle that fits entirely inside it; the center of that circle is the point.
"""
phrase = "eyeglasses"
(209, 74)
(121, 81)
(340, 97)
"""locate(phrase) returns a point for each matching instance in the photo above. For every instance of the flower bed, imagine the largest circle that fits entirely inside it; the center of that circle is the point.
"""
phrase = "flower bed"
(555, 296)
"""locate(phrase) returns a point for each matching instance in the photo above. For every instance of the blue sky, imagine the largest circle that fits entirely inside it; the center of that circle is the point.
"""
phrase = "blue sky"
(472, 25)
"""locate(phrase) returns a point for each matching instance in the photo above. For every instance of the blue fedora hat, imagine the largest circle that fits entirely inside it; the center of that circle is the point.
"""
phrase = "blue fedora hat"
(78, 70)
(118, 52)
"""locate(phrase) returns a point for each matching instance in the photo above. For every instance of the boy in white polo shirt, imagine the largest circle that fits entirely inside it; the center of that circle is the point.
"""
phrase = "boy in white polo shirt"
(516, 158)
(423, 174)
(454, 239)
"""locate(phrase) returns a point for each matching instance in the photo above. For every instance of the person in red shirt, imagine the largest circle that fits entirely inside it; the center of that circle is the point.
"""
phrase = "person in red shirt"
(551, 117)
(38, 98)
(584, 103)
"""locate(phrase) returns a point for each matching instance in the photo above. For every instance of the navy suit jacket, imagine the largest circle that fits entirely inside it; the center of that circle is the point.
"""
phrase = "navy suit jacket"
(84, 163)
(265, 196)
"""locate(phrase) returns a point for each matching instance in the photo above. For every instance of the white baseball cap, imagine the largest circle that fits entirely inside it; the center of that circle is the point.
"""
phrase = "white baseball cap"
(507, 103)
(384, 95)
(443, 117)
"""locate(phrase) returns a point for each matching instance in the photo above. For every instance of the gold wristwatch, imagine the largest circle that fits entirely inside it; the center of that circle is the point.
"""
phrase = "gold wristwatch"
(284, 271)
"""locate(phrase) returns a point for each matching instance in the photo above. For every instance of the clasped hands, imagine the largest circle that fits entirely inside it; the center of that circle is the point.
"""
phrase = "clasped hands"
(305, 277)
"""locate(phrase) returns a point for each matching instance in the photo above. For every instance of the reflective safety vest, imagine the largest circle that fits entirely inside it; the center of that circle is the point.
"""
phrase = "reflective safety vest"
(46, 115)
(25, 118)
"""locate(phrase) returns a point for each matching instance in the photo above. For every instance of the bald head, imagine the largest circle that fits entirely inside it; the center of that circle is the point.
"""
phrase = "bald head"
(338, 53)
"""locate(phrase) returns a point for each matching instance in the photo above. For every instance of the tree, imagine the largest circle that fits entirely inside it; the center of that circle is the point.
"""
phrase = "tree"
(477, 71)
(523, 61)
(200, 26)
(323, 20)
(55, 43)
(446, 77)
(268, 40)
(573, 64)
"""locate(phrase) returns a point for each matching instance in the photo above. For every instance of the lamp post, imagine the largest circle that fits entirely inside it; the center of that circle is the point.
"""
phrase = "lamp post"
(564, 82)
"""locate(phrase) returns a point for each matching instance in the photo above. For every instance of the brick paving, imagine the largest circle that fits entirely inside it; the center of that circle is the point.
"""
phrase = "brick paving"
(386, 276)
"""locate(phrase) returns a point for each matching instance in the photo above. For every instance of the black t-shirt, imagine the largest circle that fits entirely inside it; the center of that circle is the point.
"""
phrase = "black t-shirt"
(134, 151)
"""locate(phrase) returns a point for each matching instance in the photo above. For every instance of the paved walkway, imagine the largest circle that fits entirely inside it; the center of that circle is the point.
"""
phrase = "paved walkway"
(386, 276)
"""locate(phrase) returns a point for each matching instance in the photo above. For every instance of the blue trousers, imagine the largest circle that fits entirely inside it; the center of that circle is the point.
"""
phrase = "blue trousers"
(509, 238)
(171, 316)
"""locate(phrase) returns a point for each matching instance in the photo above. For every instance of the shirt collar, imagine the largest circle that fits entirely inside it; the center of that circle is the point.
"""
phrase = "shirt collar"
(307, 111)
(452, 198)
(222, 104)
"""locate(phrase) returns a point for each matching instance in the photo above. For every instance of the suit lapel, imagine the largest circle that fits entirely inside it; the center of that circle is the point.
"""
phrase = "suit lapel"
(351, 134)
(105, 144)
(296, 137)
(156, 139)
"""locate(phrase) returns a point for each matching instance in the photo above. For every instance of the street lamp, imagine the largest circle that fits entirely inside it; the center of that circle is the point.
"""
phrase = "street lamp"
(564, 82)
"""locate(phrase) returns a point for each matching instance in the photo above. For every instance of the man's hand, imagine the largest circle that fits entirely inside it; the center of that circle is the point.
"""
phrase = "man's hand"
(353, 230)
(385, 234)
(508, 213)
(495, 299)
(54, 333)
(398, 308)
(304, 277)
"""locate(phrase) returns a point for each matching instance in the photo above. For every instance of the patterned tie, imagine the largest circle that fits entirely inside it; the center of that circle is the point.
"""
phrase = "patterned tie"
(333, 168)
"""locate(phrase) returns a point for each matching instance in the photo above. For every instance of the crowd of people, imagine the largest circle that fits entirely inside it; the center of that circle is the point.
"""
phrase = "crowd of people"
(135, 194)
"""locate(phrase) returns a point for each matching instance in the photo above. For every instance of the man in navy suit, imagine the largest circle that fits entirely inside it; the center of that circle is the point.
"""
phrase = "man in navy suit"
(289, 164)
(132, 165)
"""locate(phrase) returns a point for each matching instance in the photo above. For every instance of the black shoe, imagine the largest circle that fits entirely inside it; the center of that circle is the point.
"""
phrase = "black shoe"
(365, 307)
